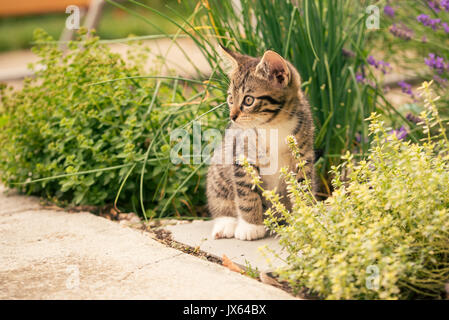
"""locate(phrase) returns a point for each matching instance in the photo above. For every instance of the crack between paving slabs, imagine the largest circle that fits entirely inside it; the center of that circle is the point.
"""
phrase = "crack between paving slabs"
(23, 210)
(150, 264)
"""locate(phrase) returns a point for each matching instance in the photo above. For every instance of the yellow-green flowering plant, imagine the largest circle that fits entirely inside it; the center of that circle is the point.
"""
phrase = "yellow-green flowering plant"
(384, 233)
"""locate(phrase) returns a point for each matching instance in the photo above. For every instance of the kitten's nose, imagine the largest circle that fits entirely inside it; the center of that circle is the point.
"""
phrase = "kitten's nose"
(234, 116)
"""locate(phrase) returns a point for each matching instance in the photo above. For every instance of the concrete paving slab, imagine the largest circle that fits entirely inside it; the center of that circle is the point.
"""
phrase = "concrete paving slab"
(175, 60)
(11, 201)
(14, 64)
(47, 254)
(198, 234)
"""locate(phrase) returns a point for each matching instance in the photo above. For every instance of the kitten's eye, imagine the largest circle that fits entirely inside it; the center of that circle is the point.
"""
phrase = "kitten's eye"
(248, 100)
(230, 100)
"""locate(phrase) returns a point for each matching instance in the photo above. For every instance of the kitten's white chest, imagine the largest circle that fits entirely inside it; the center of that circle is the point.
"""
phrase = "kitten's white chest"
(279, 155)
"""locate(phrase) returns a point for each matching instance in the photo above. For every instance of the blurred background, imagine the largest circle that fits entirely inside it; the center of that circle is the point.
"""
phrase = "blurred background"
(113, 21)
(19, 18)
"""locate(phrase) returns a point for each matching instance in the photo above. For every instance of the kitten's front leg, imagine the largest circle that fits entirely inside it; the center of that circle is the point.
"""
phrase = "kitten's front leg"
(221, 204)
(249, 207)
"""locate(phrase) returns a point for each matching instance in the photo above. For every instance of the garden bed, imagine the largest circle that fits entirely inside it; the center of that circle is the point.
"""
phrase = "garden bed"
(95, 130)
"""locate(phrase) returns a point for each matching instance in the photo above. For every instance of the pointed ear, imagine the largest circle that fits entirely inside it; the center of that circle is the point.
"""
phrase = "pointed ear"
(274, 68)
(231, 58)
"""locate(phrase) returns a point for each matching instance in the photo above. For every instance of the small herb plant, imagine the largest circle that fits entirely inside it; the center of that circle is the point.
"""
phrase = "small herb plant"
(384, 233)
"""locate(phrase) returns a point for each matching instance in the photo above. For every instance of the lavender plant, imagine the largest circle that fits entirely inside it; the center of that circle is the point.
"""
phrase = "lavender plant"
(421, 27)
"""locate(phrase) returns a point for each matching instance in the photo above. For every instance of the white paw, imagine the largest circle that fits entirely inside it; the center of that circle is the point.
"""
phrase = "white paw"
(224, 227)
(248, 231)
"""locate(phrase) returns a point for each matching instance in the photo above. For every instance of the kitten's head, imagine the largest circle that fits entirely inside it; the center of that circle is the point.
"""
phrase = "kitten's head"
(260, 88)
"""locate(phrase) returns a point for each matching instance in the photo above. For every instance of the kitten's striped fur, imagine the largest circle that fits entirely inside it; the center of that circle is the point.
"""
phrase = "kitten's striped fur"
(264, 93)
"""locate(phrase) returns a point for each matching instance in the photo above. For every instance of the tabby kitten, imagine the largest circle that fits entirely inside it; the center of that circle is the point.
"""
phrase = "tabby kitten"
(264, 93)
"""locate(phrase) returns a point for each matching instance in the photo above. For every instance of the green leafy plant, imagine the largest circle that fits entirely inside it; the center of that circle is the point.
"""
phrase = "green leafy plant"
(384, 233)
(251, 271)
(73, 136)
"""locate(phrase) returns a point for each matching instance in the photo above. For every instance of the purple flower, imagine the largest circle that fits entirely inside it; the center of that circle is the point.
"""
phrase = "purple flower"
(360, 78)
(440, 80)
(406, 88)
(423, 18)
(445, 4)
(372, 61)
(412, 118)
(381, 65)
(400, 133)
(436, 63)
(389, 11)
(434, 5)
(445, 26)
(401, 31)
(426, 21)
(435, 23)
